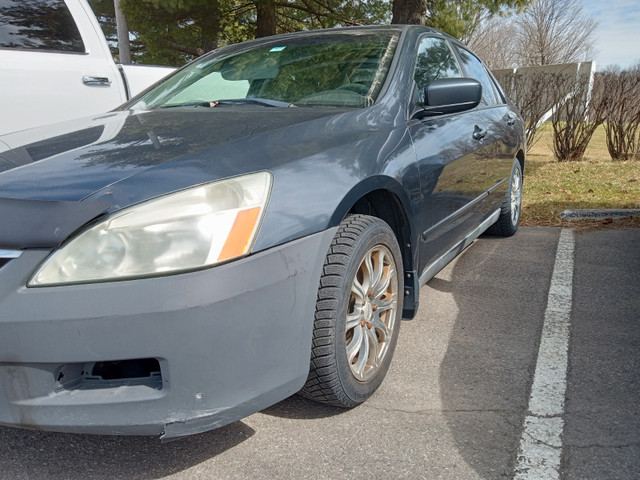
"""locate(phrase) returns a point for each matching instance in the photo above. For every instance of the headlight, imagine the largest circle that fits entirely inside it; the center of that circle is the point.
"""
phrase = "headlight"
(194, 228)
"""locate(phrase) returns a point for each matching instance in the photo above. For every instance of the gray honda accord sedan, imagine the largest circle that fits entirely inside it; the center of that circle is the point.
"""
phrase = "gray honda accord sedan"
(257, 224)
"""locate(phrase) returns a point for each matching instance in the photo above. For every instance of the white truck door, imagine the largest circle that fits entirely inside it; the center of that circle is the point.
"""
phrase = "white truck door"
(55, 64)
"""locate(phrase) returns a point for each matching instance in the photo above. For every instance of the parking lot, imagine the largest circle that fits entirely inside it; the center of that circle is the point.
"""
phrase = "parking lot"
(456, 397)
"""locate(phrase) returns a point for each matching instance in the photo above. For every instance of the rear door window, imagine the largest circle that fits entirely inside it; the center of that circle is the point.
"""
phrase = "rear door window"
(38, 25)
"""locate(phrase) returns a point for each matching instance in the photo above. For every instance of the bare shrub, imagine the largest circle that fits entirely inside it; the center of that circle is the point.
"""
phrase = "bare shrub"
(534, 96)
(620, 93)
(577, 116)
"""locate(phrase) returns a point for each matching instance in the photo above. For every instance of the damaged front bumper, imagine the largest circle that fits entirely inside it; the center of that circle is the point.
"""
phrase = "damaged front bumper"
(169, 356)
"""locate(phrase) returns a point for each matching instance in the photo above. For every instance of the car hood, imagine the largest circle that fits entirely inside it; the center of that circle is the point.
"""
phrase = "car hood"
(62, 176)
(72, 161)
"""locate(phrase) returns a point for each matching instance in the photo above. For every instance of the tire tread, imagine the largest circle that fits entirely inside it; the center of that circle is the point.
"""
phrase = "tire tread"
(323, 384)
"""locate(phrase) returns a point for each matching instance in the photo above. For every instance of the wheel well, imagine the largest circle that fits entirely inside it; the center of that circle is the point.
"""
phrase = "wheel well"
(388, 207)
(520, 157)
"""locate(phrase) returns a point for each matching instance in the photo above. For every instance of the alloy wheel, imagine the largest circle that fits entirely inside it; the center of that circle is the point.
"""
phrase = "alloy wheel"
(371, 312)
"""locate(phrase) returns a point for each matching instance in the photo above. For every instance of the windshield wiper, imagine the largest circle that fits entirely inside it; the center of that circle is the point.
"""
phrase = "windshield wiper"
(183, 105)
(266, 102)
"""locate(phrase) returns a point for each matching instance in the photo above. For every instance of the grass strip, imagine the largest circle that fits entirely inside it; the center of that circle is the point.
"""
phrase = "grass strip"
(551, 187)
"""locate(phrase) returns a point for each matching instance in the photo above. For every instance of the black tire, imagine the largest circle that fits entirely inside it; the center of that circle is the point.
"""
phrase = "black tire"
(374, 322)
(511, 208)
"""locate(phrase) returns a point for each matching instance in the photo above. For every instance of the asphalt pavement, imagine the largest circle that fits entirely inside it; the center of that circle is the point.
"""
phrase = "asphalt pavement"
(455, 401)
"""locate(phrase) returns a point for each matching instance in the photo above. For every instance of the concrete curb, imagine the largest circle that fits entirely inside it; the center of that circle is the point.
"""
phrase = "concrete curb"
(599, 214)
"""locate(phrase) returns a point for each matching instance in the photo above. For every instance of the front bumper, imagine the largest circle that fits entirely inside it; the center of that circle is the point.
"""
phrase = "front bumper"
(168, 356)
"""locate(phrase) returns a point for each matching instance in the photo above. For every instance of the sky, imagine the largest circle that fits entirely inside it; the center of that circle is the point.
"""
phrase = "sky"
(618, 34)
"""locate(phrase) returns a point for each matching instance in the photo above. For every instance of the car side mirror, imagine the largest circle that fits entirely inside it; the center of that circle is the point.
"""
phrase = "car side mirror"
(450, 95)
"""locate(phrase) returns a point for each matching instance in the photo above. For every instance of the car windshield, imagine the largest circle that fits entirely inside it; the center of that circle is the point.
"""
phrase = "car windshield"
(334, 70)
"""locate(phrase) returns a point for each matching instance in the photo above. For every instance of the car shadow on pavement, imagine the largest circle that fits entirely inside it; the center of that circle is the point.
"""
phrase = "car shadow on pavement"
(28, 454)
(297, 407)
(500, 294)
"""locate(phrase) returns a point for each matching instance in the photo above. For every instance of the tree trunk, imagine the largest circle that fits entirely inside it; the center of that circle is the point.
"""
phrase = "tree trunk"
(266, 18)
(409, 12)
(122, 28)
(210, 29)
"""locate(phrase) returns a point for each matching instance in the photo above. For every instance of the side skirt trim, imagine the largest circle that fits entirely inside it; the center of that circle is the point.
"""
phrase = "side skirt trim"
(10, 253)
(431, 270)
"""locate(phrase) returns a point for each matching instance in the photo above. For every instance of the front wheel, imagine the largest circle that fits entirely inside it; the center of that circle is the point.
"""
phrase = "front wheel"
(358, 310)
(509, 219)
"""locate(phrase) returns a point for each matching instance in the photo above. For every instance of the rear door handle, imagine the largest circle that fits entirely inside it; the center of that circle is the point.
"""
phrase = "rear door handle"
(479, 133)
(92, 81)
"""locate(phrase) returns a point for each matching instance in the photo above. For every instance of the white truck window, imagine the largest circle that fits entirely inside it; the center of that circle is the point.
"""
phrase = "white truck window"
(38, 25)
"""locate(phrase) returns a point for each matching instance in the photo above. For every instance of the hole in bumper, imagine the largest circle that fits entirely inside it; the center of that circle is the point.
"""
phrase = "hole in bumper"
(109, 374)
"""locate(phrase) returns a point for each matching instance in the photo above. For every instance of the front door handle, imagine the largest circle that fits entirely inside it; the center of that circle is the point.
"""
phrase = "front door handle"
(99, 81)
(479, 133)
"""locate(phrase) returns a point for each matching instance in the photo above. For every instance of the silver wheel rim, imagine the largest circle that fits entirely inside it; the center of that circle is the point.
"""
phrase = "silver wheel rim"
(516, 196)
(371, 313)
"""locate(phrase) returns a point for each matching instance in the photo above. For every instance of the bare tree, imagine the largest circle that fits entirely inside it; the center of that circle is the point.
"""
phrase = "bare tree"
(554, 31)
(546, 32)
(492, 41)
(458, 18)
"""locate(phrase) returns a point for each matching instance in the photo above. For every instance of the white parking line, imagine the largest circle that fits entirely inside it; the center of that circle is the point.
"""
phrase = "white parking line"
(541, 441)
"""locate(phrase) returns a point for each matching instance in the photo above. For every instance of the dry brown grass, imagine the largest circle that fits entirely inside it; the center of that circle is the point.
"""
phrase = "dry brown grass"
(596, 182)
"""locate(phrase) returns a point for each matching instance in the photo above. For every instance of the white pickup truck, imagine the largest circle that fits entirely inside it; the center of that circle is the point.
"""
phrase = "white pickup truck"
(55, 65)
